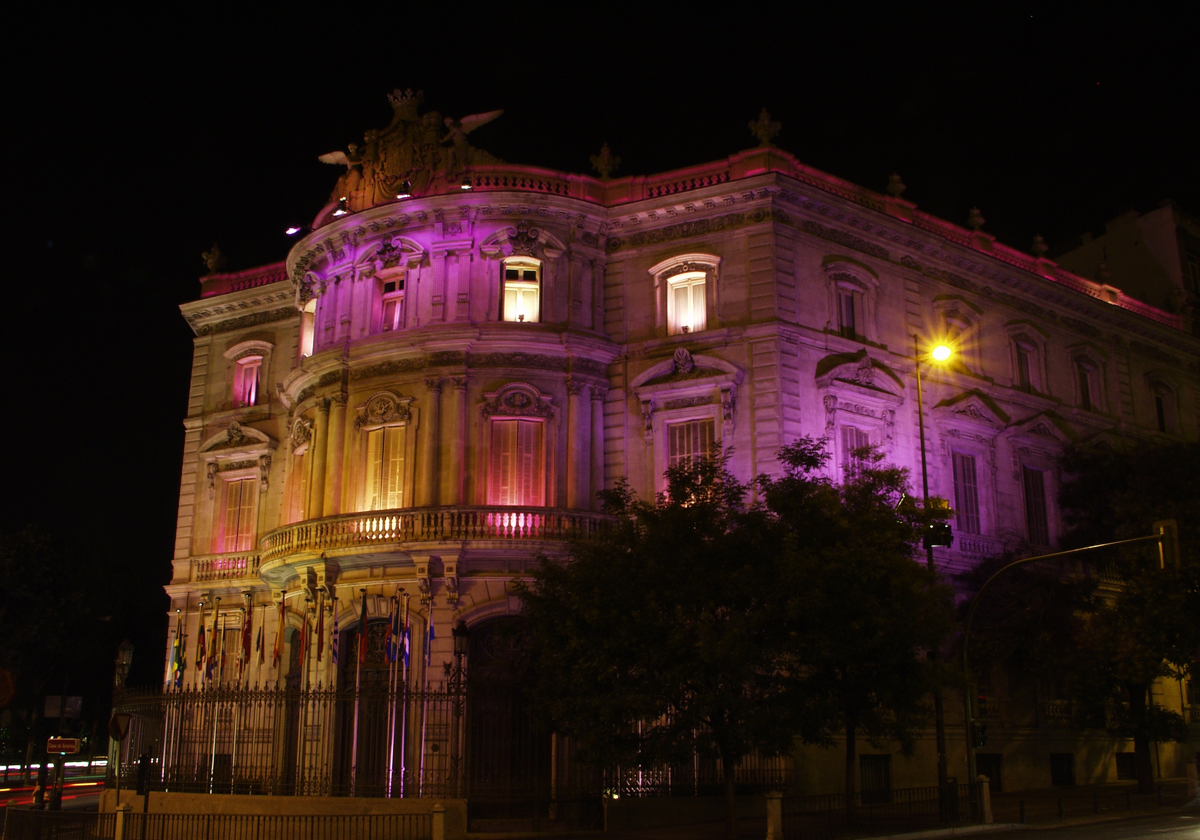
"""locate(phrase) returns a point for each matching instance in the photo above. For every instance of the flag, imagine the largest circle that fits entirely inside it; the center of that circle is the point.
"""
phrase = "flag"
(320, 627)
(259, 644)
(333, 642)
(390, 637)
(247, 635)
(200, 648)
(278, 653)
(362, 632)
(214, 645)
(429, 641)
(304, 640)
(407, 632)
(178, 656)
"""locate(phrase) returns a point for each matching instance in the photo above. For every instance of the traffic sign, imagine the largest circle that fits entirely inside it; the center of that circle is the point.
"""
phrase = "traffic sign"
(118, 725)
(63, 746)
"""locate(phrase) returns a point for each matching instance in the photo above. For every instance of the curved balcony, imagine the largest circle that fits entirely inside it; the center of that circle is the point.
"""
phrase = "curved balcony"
(448, 524)
(242, 564)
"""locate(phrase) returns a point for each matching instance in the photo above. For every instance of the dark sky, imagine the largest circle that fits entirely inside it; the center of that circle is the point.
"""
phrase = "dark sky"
(134, 144)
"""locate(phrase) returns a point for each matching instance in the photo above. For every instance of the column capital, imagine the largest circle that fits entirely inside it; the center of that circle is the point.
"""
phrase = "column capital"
(433, 385)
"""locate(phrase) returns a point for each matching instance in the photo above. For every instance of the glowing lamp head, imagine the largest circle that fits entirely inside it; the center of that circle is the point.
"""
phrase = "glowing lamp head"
(941, 353)
(466, 183)
(341, 210)
(292, 231)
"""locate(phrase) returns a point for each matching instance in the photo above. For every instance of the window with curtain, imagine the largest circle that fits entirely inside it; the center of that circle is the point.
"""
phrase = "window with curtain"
(687, 309)
(247, 376)
(239, 497)
(516, 462)
(966, 494)
(385, 468)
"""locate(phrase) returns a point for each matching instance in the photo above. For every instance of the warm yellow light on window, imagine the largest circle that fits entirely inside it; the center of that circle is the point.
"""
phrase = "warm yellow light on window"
(941, 353)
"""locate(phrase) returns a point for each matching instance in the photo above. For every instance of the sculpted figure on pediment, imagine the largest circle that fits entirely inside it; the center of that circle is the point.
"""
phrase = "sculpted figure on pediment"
(408, 155)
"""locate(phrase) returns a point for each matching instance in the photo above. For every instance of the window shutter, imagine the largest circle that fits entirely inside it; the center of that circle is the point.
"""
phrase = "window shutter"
(393, 460)
(374, 457)
(699, 313)
(966, 494)
(516, 474)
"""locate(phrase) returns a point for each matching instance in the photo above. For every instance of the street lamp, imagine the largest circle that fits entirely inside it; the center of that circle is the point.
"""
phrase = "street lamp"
(462, 638)
(940, 352)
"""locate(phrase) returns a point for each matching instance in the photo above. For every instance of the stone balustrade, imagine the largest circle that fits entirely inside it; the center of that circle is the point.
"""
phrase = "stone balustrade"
(240, 564)
(430, 525)
(977, 547)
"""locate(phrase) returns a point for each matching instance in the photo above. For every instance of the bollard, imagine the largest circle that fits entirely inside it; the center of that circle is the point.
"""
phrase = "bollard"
(439, 822)
(119, 833)
(1022, 812)
(1060, 808)
(774, 815)
(985, 801)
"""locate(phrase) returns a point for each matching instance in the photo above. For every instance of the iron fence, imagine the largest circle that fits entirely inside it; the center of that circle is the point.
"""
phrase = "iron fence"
(52, 825)
(281, 741)
(26, 824)
(875, 812)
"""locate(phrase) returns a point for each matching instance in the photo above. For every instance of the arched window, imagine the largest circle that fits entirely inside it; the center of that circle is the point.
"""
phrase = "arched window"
(521, 290)
(686, 293)
(392, 298)
(247, 376)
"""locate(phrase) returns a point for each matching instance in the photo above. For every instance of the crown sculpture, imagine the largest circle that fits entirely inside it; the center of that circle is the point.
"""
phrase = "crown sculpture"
(415, 153)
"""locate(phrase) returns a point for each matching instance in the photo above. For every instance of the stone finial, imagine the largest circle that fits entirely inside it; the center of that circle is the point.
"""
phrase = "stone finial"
(1039, 246)
(975, 219)
(765, 129)
(606, 163)
(895, 187)
(214, 259)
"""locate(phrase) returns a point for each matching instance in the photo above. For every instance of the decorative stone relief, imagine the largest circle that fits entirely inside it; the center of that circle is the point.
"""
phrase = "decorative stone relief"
(687, 402)
(301, 432)
(523, 238)
(383, 408)
(211, 470)
(648, 419)
(518, 400)
(831, 404)
(683, 363)
(264, 473)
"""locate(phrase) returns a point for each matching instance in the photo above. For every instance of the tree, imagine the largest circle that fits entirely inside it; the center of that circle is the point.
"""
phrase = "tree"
(663, 634)
(1149, 628)
(861, 610)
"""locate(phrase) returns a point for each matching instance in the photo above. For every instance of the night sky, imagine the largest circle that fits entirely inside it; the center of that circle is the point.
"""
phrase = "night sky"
(134, 145)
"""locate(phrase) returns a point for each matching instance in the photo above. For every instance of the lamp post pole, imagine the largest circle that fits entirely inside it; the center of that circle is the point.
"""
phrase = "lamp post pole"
(939, 708)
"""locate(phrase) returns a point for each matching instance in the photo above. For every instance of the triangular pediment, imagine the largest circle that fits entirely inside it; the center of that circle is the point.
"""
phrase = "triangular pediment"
(237, 438)
(1046, 425)
(683, 369)
(973, 408)
(860, 373)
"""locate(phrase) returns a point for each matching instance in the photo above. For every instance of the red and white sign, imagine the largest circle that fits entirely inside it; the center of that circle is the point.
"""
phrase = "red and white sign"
(64, 746)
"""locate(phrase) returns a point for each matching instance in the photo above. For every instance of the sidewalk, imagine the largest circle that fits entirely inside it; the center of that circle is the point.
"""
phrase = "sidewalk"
(1082, 805)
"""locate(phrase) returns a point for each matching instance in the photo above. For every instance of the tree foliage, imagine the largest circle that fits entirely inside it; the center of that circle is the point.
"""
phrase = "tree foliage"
(700, 619)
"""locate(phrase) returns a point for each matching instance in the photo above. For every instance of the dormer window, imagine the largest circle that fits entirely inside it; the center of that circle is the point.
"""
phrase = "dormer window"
(687, 308)
(393, 305)
(247, 381)
(521, 293)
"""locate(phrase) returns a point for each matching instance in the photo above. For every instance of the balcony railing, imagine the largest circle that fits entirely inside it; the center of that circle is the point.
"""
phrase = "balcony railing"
(225, 566)
(430, 525)
(978, 547)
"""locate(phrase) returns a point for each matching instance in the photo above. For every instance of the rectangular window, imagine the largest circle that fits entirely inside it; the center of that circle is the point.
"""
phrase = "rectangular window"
(1085, 385)
(516, 463)
(1160, 410)
(298, 487)
(1062, 769)
(393, 306)
(1024, 371)
(240, 495)
(687, 310)
(853, 440)
(246, 376)
(385, 468)
(849, 305)
(688, 441)
(521, 298)
(876, 771)
(1126, 766)
(966, 494)
(1035, 507)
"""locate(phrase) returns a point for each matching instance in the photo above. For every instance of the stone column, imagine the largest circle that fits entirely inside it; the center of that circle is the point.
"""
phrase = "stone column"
(336, 449)
(597, 484)
(320, 442)
(427, 484)
(579, 420)
(455, 443)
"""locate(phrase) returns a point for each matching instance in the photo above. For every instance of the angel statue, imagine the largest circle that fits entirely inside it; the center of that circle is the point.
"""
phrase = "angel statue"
(349, 180)
(458, 155)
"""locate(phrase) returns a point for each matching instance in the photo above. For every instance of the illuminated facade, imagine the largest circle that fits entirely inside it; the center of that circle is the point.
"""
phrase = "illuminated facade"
(429, 392)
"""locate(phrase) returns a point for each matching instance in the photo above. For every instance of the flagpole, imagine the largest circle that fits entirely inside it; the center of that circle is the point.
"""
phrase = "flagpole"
(425, 695)
(212, 766)
(404, 715)
(362, 646)
(394, 638)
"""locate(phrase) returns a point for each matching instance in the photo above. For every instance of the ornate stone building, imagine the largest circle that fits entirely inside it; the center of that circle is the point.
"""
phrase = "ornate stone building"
(458, 354)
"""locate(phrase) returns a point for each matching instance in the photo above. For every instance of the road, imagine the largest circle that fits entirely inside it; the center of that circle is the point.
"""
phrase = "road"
(1177, 826)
